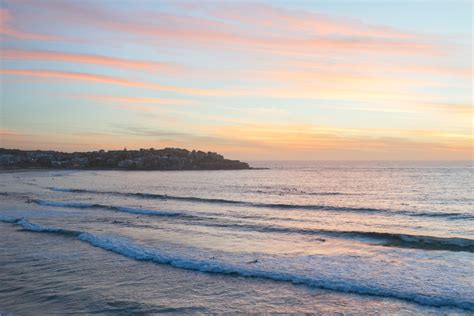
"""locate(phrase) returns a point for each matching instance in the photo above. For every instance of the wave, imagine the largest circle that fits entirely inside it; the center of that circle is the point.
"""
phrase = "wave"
(27, 225)
(415, 241)
(44, 229)
(294, 191)
(137, 252)
(323, 193)
(214, 266)
(68, 190)
(8, 219)
(381, 238)
(448, 215)
(124, 209)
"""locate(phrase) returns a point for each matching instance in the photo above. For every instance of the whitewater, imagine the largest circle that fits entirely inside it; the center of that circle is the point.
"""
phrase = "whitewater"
(324, 237)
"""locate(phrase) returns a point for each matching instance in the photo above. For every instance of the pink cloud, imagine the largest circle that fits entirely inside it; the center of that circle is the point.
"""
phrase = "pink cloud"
(114, 81)
(245, 27)
(20, 54)
(285, 20)
(137, 100)
(7, 29)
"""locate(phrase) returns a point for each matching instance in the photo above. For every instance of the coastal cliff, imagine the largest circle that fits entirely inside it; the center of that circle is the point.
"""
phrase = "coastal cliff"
(143, 159)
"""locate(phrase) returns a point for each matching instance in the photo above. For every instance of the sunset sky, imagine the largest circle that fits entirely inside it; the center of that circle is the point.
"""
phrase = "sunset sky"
(252, 80)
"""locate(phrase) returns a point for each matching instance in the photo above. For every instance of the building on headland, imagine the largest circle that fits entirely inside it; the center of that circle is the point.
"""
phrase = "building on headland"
(143, 159)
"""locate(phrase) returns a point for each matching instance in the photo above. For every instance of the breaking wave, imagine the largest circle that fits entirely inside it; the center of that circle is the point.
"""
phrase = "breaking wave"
(448, 215)
(124, 209)
(27, 225)
(381, 238)
(8, 219)
(320, 280)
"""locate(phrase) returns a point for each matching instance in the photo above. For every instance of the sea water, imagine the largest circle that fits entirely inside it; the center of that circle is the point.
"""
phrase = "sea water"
(299, 237)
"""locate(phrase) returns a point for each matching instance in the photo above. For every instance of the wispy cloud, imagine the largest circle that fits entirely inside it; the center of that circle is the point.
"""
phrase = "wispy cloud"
(113, 81)
(145, 105)
(7, 29)
(282, 20)
(135, 100)
(21, 54)
(305, 90)
(251, 79)
(246, 27)
(5, 132)
(313, 142)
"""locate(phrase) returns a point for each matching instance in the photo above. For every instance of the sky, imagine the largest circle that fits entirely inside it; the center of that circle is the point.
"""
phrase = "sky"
(268, 80)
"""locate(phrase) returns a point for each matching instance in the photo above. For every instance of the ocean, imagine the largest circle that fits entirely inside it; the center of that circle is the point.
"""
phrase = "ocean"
(359, 238)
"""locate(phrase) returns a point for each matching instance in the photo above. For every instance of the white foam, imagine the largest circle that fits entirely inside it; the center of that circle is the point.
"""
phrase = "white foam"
(107, 207)
(144, 211)
(64, 204)
(37, 228)
(344, 273)
(329, 275)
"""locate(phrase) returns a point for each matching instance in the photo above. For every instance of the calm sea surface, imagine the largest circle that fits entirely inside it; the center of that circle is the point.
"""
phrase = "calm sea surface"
(324, 237)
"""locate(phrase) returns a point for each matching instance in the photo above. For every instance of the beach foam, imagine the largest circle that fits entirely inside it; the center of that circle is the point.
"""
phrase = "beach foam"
(278, 270)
